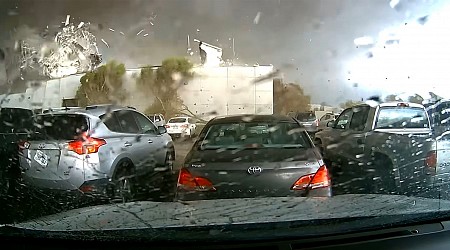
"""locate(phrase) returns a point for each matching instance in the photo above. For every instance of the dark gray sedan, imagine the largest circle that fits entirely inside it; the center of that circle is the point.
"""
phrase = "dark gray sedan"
(252, 156)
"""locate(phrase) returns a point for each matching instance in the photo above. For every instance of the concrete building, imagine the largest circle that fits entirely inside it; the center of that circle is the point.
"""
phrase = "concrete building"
(218, 90)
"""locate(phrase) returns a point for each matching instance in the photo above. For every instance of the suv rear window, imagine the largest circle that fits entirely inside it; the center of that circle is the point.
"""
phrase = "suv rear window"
(306, 117)
(16, 120)
(402, 117)
(177, 120)
(62, 126)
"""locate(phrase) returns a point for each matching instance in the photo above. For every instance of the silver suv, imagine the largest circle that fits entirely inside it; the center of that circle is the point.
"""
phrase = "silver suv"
(98, 149)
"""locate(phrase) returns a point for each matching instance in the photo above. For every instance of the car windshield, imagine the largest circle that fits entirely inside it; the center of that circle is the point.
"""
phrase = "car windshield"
(393, 117)
(220, 120)
(254, 135)
(177, 120)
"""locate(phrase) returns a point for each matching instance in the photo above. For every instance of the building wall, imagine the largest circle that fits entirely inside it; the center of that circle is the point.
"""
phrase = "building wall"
(229, 90)
(224, 90)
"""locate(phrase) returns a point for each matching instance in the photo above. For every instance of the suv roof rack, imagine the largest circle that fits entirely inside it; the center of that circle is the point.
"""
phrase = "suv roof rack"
(49, 110)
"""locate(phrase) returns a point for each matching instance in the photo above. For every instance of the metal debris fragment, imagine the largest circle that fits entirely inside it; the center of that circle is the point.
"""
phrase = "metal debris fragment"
(139, 32)
(151, 23)
(111, 30)
(103, 40)
(79, 25)
(67, 20)
(146, 34)
(257, 17)
(122, 33)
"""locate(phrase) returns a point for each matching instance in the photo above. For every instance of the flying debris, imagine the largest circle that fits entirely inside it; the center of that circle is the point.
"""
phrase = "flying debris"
(364, 41)
(146, 34)
(394, 3)
(111, 30)
(139, 32)
(422, 20)
(103, 40)
(210, 55)
(122, 33)
(257, 17)
(67, 20)
(72, 50)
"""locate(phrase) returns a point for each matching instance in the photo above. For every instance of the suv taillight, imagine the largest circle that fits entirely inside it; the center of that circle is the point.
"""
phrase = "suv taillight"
(88, 146)
(187, 181)
(320, 179)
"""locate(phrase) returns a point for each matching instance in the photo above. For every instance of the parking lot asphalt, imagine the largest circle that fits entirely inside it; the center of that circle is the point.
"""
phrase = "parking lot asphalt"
(182, 147)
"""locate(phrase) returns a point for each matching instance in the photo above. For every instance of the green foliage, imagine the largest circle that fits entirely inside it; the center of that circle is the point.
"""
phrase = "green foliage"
(349, 104)
(289, 98)
(391, 98)
(102, 86)
(416, 99)
(163, 83)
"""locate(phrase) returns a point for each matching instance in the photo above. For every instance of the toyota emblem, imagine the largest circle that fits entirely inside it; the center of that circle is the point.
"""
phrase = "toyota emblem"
(254, 170)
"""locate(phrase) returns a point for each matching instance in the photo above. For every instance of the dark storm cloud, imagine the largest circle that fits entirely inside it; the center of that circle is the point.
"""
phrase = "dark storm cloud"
(314, 37)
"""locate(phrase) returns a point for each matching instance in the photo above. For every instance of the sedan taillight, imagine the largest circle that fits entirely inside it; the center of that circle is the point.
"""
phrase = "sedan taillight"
(320, 179)
(188, 182)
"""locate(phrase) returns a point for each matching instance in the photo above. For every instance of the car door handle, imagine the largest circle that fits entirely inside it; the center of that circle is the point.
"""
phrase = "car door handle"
(128, 144)
(150, 141)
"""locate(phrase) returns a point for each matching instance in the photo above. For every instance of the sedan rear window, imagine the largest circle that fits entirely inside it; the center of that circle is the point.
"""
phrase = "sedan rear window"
(62, 127)
(177, 120)
(402, 117)
(254, 135)
(306, 117)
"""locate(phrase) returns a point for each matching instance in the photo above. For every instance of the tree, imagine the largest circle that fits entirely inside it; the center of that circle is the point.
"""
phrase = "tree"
(163, 83)
(391, 98)
(349, 104)
(289, 98)
(102, 86)
(416, 99)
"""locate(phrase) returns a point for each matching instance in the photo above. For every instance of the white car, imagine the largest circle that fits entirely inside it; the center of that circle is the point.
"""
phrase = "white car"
(157, 119)
(181, 126)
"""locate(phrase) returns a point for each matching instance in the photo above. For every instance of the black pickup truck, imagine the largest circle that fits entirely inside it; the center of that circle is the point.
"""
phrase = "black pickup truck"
(16, 125)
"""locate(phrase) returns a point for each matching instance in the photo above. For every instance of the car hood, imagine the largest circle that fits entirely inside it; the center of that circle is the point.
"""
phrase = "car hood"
(164, 215)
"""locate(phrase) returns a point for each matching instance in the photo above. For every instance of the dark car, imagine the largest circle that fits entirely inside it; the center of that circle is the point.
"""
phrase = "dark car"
(16, 125)
(252, 156)
(308, 120)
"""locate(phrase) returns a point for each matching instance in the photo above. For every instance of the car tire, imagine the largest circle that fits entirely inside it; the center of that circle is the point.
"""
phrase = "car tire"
(383, 179)
(124, 182)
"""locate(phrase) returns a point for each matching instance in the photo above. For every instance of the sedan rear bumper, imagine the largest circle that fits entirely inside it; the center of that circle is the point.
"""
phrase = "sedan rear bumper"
(239, 193)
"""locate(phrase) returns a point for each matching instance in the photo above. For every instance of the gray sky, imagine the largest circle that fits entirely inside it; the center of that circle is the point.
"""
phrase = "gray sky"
(310, 40)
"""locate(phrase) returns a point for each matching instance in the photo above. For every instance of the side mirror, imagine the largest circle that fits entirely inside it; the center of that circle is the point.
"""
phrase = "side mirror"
(162, 130)
(330, 124)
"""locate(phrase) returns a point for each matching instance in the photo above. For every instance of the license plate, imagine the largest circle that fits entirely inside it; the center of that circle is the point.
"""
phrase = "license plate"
(41, 158)
(175, 127)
